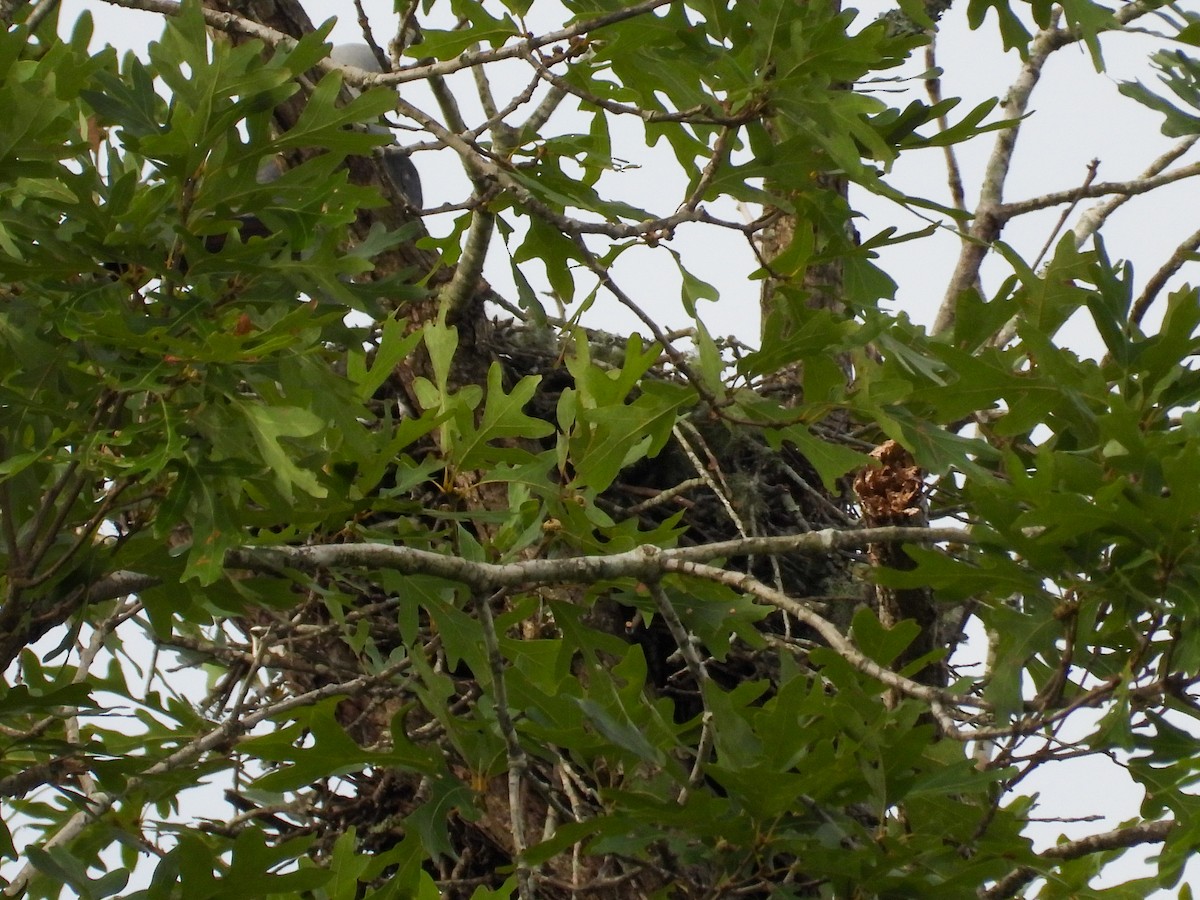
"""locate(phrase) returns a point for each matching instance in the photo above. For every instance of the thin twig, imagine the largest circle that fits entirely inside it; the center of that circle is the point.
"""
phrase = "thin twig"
(85, 535)
(419, 72)
(364, 25)
(67, 488)
(1092, 168)
(678, 359)
(1089, 223)
(989, 212)
(227, 731)
(481, 165)
(696, 115)
(1185, 252)
(933, 87)
(518, 763)
(544, 110)
(701, 470)
(406, 32)
(720, 147)
(699, 673)
(1124, 189)
(1006, 334)
(496, 119)
(664, 496)
(829, 633)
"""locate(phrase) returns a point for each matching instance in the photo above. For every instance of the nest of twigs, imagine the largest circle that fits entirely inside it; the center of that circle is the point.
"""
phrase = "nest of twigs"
(724, 482)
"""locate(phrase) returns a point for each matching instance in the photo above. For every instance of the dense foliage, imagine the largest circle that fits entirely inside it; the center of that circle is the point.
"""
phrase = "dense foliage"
(491, 604)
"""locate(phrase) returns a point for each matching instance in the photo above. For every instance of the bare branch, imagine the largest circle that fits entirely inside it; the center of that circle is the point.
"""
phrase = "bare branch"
(541, 115)
(457, 293)
(664, 496)
(482, 166)
(58, 771)
(364, 25)
(70, 483)
(1125, 189)
(121, 583)
(695, 666)
(419, 72)
(1152, 178)
(222, 21)
(38, 14)
(721, 491)
(408, 32)
(484, 89)
(1185, 252)
(517, 761)
(696, 114)
(1089, 223)
(496, 120)
(1122, 838)
(646, 561)
(720, 147)
(933, 87)
(1093, 166)
(521, 48)
(988, 224)
(829, 633)
(227, 731)
(989, 219)
(448, 104)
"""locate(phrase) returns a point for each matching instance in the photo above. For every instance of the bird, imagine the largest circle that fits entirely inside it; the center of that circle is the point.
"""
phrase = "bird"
(396, 162)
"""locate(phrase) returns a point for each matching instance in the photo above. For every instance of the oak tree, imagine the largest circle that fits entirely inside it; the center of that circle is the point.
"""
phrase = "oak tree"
(340, 565)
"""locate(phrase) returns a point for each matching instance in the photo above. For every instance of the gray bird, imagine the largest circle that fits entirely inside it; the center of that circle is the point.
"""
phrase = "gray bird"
(396, 162)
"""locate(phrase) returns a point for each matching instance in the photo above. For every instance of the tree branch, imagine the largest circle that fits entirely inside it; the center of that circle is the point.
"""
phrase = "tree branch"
(419, 72)
(1089, 223)
(38, 14)
(933, 87)
(1184, 252)
(646, 561)
(1125, 189)
(988, 221)
(1122, 838)
(101, 803)
(1079, 194)
(462, 287)
(987, 225)
(829, 632)
(698, 115)
(695, 666)
(222, 21)
(495, 121)
(517, 761)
